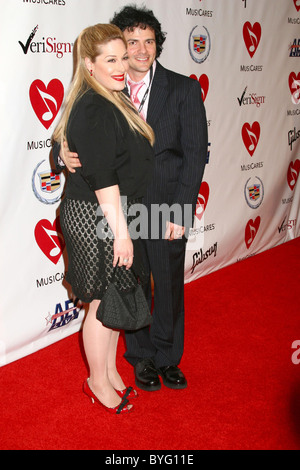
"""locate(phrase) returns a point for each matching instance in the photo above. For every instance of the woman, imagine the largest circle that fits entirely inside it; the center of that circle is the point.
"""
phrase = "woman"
(115, 148)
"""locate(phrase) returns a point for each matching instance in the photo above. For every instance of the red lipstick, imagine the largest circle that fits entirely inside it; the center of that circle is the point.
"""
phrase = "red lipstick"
(119, 78)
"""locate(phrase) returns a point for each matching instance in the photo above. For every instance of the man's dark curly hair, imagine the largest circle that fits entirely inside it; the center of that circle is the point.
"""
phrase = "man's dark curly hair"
(131, 17)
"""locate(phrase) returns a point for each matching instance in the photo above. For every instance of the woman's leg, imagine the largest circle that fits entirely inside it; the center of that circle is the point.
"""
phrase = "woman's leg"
(97, 346)
(113, 375)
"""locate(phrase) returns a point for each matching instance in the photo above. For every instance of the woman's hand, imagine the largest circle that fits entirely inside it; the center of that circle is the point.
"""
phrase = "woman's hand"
(110, 202)
(123, 251)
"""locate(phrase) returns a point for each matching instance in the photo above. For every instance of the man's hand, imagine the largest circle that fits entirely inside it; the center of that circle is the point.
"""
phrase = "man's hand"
(70, 159)
(173, 231)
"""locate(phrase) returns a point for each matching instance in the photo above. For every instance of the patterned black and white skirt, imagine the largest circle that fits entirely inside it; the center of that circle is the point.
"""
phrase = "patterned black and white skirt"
(90, 257)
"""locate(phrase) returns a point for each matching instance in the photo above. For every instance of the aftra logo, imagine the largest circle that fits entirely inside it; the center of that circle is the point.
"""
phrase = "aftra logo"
(293, 173)
(46, 100)
(202, 200)
(251, 231)
(250, 136)
(252, 35)
(63, 316)
(295, 48)
(204, 82)
(50, 239)
(294, 84)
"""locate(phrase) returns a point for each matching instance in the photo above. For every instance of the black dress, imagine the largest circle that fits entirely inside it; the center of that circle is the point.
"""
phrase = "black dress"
(110, 153)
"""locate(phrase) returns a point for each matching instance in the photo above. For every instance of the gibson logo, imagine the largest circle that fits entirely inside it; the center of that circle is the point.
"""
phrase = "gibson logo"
(200, 256)
(293, 135)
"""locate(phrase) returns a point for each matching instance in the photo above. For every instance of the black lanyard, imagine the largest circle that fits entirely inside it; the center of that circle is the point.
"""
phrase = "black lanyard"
(147, 91)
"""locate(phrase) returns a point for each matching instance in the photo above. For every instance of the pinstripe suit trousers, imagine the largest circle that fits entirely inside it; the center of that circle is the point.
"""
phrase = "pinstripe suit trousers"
(164, 341)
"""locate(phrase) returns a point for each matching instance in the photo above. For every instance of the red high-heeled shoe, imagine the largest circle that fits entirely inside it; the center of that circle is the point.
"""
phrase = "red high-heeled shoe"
(119, 409)
(128, 392)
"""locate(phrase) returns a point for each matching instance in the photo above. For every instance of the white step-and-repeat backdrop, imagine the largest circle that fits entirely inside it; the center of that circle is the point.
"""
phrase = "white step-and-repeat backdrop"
(245, 53)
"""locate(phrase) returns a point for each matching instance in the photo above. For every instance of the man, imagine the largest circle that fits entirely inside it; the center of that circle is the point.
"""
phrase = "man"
(172, 105)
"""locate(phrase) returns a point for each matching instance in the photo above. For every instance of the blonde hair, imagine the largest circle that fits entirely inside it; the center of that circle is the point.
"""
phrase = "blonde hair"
(88, 44)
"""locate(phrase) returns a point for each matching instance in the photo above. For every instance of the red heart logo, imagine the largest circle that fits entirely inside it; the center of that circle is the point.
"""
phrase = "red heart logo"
(297, 4)
(294, 84)
(252, 35)
(204, 82)
(202, 200)
(293, 173)
(46, 101)
(250, 135)
(251, 231)
(50, 239)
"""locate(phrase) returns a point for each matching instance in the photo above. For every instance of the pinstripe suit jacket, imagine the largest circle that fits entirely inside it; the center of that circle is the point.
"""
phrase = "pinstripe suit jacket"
(177, 115)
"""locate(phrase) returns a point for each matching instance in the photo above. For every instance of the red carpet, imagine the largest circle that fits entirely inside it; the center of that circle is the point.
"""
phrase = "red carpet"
(244, 389)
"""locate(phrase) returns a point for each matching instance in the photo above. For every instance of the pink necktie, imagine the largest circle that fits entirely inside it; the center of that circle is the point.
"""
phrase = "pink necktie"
(134, 89)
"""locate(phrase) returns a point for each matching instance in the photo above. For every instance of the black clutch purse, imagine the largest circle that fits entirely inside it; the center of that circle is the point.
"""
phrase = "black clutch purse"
(122, 309)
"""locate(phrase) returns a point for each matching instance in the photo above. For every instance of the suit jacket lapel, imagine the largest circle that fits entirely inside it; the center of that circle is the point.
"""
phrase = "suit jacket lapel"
(158, 94)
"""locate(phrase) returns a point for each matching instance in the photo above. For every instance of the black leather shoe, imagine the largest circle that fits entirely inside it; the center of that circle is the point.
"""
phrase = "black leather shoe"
(172, 377)
(146, 376)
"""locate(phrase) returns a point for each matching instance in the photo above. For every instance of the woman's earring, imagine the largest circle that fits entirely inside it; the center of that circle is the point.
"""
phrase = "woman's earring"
(91, 73)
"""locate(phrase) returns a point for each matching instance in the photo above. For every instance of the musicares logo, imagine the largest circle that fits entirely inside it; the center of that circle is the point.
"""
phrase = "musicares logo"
(48, 45)
(204, 82)
(202, 200)
(250, 136)
(294, 85)
(297, 4)
(251, 231)
(252, 35)
(293, 173)
(50, 239)
(46, 100)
